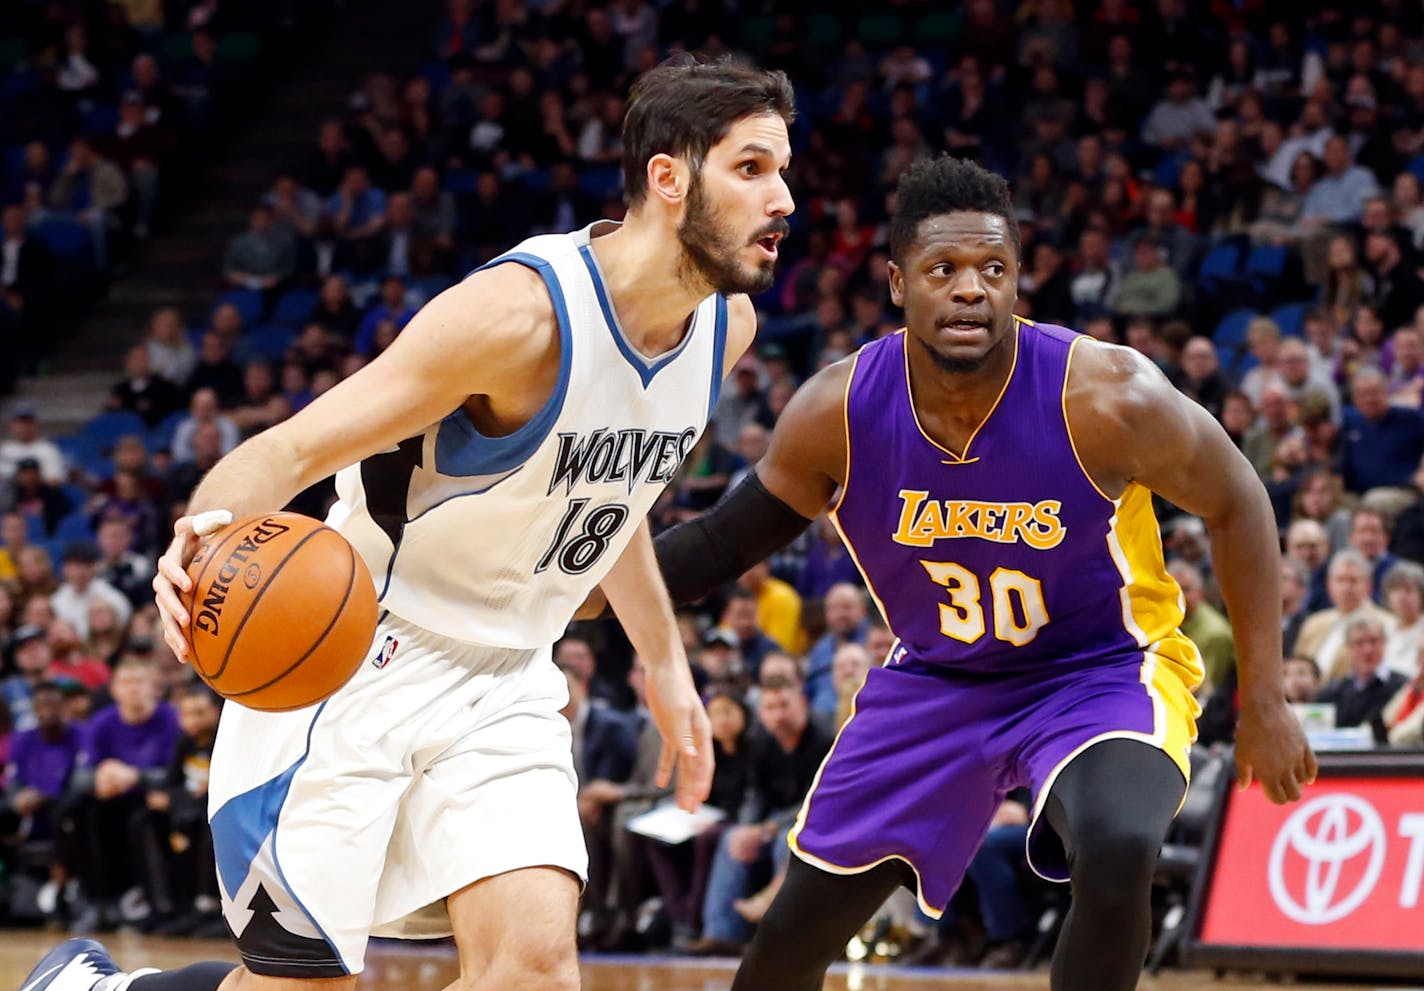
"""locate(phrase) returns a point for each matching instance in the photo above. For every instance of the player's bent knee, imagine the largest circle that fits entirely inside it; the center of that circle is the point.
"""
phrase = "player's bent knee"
(535, 972)
(1116, 861)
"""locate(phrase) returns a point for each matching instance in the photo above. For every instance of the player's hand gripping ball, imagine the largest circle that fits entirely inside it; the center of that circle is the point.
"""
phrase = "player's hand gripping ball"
(282, 611)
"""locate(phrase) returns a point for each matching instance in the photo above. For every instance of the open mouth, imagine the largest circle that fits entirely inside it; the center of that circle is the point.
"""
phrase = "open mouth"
(768, 244)
(966, 326)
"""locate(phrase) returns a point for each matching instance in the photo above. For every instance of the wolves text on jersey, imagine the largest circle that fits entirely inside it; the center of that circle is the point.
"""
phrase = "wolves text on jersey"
(924, 520)
(629, 456)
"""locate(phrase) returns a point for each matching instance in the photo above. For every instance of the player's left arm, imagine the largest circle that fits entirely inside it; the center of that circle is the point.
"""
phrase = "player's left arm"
(634, 587)
(635, 590)
(1133, 426)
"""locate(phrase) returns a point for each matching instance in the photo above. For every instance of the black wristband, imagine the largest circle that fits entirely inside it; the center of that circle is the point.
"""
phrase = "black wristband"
(748, 525)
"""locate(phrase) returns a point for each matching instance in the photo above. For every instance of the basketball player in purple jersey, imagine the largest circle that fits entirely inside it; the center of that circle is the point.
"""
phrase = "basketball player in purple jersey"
(995, 479)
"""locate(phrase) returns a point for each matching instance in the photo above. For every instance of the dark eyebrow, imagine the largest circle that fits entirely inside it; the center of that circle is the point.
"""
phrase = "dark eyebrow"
(756, 149)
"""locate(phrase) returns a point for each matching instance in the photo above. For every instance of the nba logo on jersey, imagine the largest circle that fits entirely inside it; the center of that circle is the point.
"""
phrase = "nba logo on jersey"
(388, 650)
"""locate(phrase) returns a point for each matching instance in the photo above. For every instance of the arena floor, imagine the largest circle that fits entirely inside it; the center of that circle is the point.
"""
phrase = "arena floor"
(396, 967)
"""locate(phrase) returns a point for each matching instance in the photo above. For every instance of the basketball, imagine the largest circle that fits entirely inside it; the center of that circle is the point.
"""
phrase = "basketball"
(282, 611)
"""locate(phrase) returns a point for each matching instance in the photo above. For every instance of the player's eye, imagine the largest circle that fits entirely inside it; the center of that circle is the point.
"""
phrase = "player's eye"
(943, 268)
(994, 269)
(748, 168)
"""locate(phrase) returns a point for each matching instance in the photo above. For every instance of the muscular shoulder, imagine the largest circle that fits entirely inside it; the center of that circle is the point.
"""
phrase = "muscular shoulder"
(496, 323)
(806, 460)
(1118, 404)
(1114, 383)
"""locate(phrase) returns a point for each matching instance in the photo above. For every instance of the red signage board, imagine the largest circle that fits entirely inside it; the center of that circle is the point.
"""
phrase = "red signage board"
(1337, 876)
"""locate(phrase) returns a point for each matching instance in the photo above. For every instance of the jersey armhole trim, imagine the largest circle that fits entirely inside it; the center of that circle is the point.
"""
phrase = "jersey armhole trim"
(719, 353)
(460, 449)
(1068, 427)
(845, 426)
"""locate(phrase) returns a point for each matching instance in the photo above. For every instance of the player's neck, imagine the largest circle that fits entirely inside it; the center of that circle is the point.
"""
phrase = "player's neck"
(961, 397)
(652, 301)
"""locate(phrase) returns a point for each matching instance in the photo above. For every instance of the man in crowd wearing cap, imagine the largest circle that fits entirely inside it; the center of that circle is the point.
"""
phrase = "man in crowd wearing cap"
(31, 495)
(30, 656)
(82, 586)
(42, 758)
(25, 443)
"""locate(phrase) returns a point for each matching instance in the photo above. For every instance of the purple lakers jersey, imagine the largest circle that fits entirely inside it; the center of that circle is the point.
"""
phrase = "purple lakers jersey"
(1006, 557)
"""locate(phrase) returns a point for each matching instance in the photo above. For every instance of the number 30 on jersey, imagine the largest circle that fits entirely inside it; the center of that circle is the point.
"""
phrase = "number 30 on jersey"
(1019, 609)
(577, 548)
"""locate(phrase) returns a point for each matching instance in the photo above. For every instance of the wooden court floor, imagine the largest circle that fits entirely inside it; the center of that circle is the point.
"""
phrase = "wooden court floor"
(424, 967)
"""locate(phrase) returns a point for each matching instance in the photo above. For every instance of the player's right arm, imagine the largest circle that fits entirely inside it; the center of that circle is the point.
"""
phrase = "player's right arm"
(775, 503)
(493, 334)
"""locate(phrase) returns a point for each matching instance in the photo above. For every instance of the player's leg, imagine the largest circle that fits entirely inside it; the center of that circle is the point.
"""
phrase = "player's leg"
(515, 932)
(878, 806)
(1111, 807)
(809, 923)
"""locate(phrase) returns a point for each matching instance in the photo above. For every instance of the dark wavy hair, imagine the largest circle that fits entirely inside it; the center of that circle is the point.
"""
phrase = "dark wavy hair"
(685, 106)
(947, 185)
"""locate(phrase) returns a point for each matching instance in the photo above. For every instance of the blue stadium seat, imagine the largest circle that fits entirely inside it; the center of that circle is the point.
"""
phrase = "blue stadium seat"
(1220, 263)
(295, 306)
(459, 181)
(56, 552)
(99, 468)
(75, 526)
(1168, 169)
(75, 495)
(76, 448)
(263, 344)
(601, 183)
(67, 239)
(160, 438)
(97, 120)
(430, 286)
(1266, 266)
(1230, 340)
(247, 301)
(1290, 318)
(106, 428)
(34, 528)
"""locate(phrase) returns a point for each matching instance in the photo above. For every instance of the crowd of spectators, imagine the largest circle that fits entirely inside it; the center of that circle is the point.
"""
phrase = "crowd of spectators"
(102, 106)
(1232, 189)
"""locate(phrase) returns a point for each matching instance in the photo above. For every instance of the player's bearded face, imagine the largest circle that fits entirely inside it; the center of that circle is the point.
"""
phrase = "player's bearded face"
(717, 254)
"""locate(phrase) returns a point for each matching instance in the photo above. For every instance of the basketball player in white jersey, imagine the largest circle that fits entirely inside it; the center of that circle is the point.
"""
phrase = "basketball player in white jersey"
(493, 466)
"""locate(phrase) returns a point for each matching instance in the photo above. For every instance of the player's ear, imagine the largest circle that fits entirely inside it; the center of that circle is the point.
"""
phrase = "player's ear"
(668, 178)
(897, 284)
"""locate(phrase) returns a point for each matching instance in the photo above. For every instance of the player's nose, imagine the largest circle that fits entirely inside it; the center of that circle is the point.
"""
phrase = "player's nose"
(967, 287)
(781, 203)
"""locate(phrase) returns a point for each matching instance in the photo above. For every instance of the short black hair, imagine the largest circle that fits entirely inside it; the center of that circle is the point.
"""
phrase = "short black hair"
(685, 106)
(942, 185)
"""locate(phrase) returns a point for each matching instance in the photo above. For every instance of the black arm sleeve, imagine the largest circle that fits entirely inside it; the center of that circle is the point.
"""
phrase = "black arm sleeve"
(747, 526)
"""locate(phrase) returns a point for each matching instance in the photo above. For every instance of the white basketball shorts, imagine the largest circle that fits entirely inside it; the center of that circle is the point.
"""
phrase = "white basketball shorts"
(439, 764)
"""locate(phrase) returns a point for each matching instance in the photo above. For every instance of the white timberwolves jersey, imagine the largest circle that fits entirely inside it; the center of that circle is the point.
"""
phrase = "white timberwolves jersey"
(497, 540)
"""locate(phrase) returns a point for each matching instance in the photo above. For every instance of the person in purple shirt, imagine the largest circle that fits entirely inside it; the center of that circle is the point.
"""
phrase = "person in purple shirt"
(127, 750)
(41, 761)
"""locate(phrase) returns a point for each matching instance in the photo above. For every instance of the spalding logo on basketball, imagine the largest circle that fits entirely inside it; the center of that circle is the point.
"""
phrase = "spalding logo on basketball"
(283, 611)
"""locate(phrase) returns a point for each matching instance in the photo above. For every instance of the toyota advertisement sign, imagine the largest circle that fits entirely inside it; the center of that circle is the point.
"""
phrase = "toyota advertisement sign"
(1331, 884)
